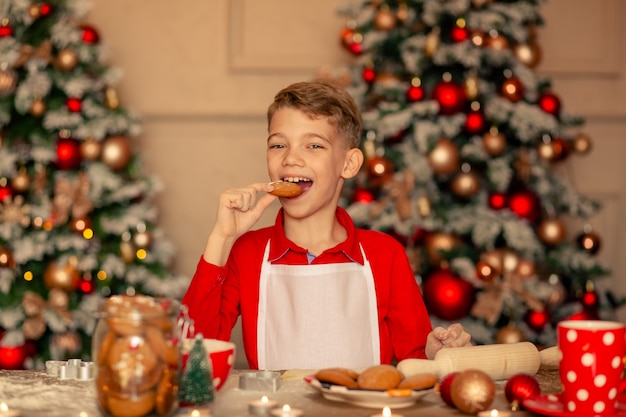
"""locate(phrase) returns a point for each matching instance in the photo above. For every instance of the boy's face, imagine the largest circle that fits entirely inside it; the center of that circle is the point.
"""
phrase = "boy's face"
(310, 152)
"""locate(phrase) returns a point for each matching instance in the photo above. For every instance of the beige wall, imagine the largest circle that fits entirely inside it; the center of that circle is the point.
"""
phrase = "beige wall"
(201, 73)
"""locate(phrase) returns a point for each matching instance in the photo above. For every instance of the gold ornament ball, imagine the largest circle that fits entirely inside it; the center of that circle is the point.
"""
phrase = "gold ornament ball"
(38, 107)
(67, 59)
(385, 19)
(551, 231)
(423, 206)
(142, 240)
(33, 10)
(21, 182)
(127, 251)
(403, 12)
(494, 259)
(526, 268)
(582, 144)
(510, 334)
(110, 98)
(439, 242)
(90, 149)
(497, 42)
(484, 271)
(513, 89)
(64, 277)
(8, 81)
(546, 151)
(478, 38)
(472, 391)
(444, 158)
(528, 53)
(6, 258)
(510, 260)
(116, 152)
(79, 225)
(471, 87)
(58, 299)
(432, 42)
(494, 142)
(465, 184)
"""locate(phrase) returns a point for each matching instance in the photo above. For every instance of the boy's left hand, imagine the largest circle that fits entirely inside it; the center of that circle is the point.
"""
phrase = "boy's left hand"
(453, 336)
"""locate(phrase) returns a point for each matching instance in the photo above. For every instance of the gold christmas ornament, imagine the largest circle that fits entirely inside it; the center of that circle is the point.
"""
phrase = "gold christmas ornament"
(142, 240)
(58, 299)
(526, 268)
(433, 40)
(79, 225)
(510, 334)
(478, 38)
(90, 149)
(6, 258)
(465, 184)
(110, 98)
(38, 107)
(484, 271)
(494, 142)
(528, 53)
(472, 391)
(545, 151)
(496, 41)
(385, 19)
(8, 80)
(439, 242)
(403, 12)
(116, 152)
(127, 251)
(444, 158)
(582, 144)
(423, 206)
(551, 231)
(513, 89)
(64, 277)
(494, 259)
(67, 59)
(21, 182)
(33, 10)
(471, 86)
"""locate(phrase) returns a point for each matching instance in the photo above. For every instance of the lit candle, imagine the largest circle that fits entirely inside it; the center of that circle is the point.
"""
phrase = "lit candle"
(387, 413)
(5, 412)
(494, 413)
(261, 407)
(199, 413)
(286, 411)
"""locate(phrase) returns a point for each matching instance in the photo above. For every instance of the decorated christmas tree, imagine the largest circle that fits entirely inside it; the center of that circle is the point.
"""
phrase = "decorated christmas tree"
(464, 144)
(77, 220)
(196, 385)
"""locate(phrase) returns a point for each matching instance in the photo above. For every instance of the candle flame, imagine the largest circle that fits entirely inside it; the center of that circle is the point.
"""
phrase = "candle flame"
(83, 414)
(386, 412)
(494, 413)
(195, 413)
(264, 399)
(4, 408)
(286, 408)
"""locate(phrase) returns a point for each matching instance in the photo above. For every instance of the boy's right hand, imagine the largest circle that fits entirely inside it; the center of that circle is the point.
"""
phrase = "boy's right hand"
(238, 210)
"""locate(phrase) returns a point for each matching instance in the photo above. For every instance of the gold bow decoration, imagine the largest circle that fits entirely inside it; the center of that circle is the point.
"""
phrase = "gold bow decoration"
(43, 51)
(71, 196)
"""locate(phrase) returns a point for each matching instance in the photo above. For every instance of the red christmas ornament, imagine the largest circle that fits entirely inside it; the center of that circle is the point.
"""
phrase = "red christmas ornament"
(74, 104)
(86, 286)
(560, 148)
(347, 37)
(497, 201)
(414, 93)
(12, 357)
(90, 34)
(525, 204)
(537, 319)
(362, 195)
(444, 388)
(585, 314)
(590, 299)
(5, 192)
(68, 153)
(450, 96)
(45, 9)
(520, 387)
(356, 48)
(447, 295)
(550, 103)
(6, 31)
(475, 122)
(369, 75)
(459, 33)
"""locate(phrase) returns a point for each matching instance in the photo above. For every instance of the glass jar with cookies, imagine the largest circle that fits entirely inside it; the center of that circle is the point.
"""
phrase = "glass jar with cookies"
(137, 351)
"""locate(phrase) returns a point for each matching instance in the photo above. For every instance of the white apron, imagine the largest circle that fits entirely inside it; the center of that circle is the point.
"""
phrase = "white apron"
(317, 316)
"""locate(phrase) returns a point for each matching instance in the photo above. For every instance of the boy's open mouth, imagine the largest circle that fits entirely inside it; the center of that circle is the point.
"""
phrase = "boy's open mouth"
(304, 183)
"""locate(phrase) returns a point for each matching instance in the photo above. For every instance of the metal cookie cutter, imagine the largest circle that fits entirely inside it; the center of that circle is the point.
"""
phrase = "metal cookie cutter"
(267, 381)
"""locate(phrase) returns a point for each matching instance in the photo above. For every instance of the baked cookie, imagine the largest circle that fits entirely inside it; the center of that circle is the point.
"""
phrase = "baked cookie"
(338, 376)
(285, 189)
(419, 381)
(380, 378)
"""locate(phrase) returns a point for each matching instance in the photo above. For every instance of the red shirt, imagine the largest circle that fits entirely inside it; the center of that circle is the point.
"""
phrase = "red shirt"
(218, 295)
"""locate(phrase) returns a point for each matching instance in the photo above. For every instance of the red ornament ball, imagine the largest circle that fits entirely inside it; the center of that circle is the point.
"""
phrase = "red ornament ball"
(86, 286)
(497, 201)
(444, 388)
(6, 31)
(12, 357)
(90, 34)
(475, 122)
(525, 204)
(74, 104)
(590, 299)
(520, 387)
(450, 96)
(414, 93)
(68, 153)
(585, 314)
(362, 195)
(45, 9)
(550, 103)
(369, 75)
(5, 192)
(447, 295)
(459, 33)
(537, 319)
(356, 48)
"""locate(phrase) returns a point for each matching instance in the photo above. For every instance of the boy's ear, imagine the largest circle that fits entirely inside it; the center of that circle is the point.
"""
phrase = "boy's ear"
(354, 160)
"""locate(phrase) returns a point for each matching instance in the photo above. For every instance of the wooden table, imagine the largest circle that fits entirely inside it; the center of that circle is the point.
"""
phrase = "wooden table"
(35, 394)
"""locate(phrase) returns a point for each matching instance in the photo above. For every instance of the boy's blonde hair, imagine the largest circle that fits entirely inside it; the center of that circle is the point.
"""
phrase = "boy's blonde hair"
(319, 98)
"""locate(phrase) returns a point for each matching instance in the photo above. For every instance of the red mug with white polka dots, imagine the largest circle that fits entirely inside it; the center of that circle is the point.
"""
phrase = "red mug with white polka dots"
(592, 364)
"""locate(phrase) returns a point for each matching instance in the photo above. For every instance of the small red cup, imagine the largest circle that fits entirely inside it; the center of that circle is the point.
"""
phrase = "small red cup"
(592, 364)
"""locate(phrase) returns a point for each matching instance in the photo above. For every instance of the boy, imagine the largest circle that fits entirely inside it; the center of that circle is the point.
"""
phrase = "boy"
(312, 290)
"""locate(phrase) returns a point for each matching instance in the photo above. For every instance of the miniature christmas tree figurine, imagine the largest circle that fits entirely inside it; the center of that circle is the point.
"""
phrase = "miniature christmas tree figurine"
(197, 382)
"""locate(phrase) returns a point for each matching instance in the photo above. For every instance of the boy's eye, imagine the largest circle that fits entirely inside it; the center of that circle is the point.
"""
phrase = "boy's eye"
(276, 146)
(316, 146)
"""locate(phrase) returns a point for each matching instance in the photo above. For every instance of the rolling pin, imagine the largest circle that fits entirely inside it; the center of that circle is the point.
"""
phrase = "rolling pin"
(499, 361)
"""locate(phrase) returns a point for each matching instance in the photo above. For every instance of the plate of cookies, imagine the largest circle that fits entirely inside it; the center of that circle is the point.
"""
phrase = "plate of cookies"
(374, 387)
